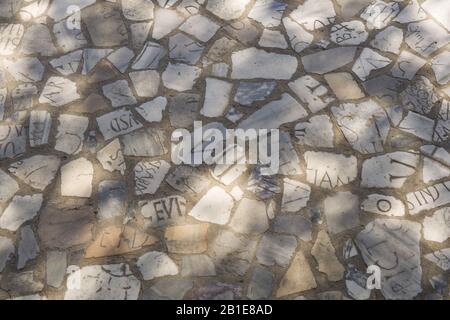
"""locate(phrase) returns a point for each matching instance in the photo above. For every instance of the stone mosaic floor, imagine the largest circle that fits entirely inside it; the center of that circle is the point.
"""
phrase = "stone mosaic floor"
(91, 206)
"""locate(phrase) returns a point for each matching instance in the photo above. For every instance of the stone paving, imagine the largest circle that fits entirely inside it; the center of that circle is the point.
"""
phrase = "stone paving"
(92, 207)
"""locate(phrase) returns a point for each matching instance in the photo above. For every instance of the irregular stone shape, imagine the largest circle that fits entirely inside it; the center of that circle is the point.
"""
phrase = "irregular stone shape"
(385, 88)
(165, 22)
(407, 65)
(222, 49)
(37, 41)
(317, 132)
(117, 123)
(68, 34)
(180, 77)
(419, 96)
(24, 69)
(295, 195)
(111, 157)
(138, 10)
(288, 157)
(394, 246)
(261, 284)
(438, 10)
(37, 171)
(152, 111)
(149, 57)
(437, 227)
(293, 224)
(102, 282)
(59, 91)
(436, 163)
(56, 265)
(428, 198)
(148, 142)
(217, 97)
(273, 39)
(263, 186)
(187, 239)
(254, 63)
(67, 64)
(146, 83)
(119, 93)
(411, 12)
(249, 92)
(105, 25)
(349, 250)
(250, 217)
(356, 283)
(344, 86)
(325, 255)
(341, 212)
(20, 210)
(187, 179)
(13, 139)
(329, 170)
(28, 248)
(233, 253)
(148, 175)
(199, 265)
(185, 49)
(23, 283)
(227, 9)
(10, 37)
(388, 40)
(200, 27)
(426, 37)
(312, 93)
(368, 61)
(6, 251)
(299, 38)
(22, 96)
(274, 249)
(168, 289)
(314, 14)
(365, 125)
(297, 278)
(8, 187)
(420, 126)
(64, 225)
(390, 170)
(267, 12)
(121, 58)
(111, 199)
(184, 108)
(118, 240)
(379, 14)
(243, 30)
(162, 211)
(70, 136)
(348, 33)
(441, 258)
(328, 60)
(384, 205)
(274, 114)
(156, 264)
(441, 67)
(9, 8)
(214, 207)
(76, 178)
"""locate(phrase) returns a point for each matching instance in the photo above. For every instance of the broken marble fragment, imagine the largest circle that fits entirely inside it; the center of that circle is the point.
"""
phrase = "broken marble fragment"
(249, 92)
(37, 41)
(26, 69)
(118, 240)
(200, 27)
(356, 283)
(180, 77)
(146, 83)
(428, 198)
(119, 93)
(437, 227)
(111, 199)
(121, 58)
(27, 248)
(250, 217)
(149, 57)
(13, 139)
(111, 157)
(436, 163)
(441, 67)
(368, 61)
(365, 125)
(148, 142)
(419, 96)
(407, 65)
(8, 187)
(329, 170)
(293, 224)
(384, 205)
(317, 132)
(156, 264)
(117, 123)
(227, 9)
(10, 37)
(388, 40)
(165, 22)
(349, 249)
(341, 211)
(183, 108)
(102, 282)
(393, 245)
(412, 12)
(68, 35)
(349, 33)
(187, 239)
(148, 175)
(214, 207)
(312, 93)
(76, 178)
(6, 251)
(187, 179)
(344, 86)
(37, 171)
(185, 49)
(267, 12)
(441, 258)
(261, 284)
(217, 97)
(160, 212)
(426, 37)
(379, 14)
(59, 91)
(152, 111)
(274, 249)
(299, 38)
(325, 255)
(20, 210)
(440, 10)
(67, 64)
(56, 265)
(295, 195)
(314, 14)
(138, 10)
(254, 63)
(198, 265)
(328, 60)
(418, 125)
(70, 136)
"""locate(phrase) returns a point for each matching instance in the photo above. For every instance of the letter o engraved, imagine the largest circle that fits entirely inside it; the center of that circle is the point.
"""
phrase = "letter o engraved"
(384, 205)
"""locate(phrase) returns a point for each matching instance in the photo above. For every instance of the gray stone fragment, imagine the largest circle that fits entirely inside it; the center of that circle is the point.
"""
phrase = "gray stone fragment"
(184, 108)
(328, 60)
(168, 289)
(28, 247)
(261, 284)
(56, 268)
(6, 251)
(185, 49)
(197, 266)
(293, 224)
(187, 179)
(148, 142)
(111, 195)
(249, 92)
(276, 249)
(20, 210)
(22, 283)
(341, 211)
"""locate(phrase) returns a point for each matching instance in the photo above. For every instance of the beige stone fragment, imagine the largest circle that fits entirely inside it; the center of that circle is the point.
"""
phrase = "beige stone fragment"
(344, 86)
(187, 239)
(325, 255)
